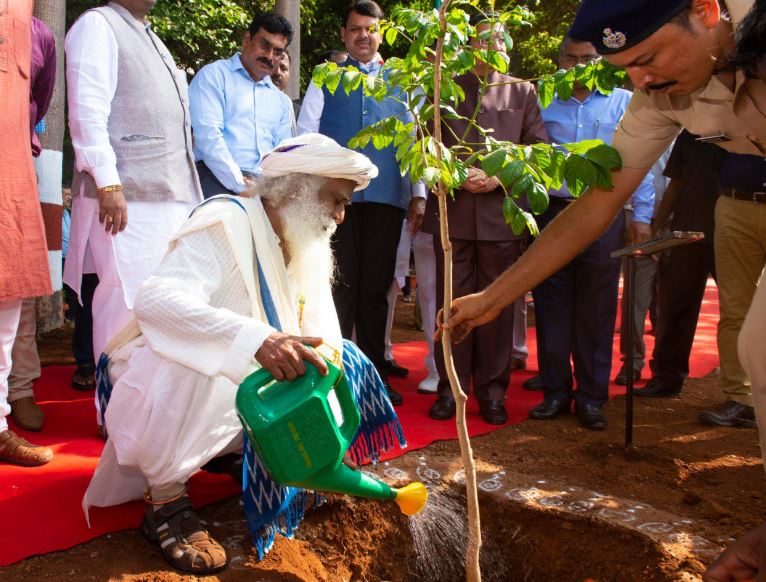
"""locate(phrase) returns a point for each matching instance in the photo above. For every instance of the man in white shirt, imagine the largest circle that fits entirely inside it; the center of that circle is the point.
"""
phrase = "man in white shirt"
(135, 181)
(245, 284)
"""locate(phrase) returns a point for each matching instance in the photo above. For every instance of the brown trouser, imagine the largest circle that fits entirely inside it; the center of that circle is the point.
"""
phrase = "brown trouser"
(25, 362)
(484, 357)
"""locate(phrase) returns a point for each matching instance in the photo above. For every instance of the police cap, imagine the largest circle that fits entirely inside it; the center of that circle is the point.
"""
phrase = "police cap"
(615, 25)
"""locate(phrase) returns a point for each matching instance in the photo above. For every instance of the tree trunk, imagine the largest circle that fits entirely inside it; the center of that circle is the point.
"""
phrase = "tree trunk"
(49, 165)
(472, 567)
(291, 9)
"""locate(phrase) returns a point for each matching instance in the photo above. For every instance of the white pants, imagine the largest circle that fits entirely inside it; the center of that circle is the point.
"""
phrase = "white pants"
(425, 267)
(10, 312)
(520, 351)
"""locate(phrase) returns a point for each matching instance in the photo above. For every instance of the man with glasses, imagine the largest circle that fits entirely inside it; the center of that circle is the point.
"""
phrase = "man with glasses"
(237, 112)
(576, 307)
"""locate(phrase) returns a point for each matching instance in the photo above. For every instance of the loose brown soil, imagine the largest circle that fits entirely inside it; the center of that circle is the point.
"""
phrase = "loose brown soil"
(692, 487)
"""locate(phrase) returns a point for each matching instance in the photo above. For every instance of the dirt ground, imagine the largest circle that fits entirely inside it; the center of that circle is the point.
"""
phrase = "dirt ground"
(711, 479)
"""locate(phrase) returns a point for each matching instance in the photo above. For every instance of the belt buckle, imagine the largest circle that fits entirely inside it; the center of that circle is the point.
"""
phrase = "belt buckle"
(759, 197)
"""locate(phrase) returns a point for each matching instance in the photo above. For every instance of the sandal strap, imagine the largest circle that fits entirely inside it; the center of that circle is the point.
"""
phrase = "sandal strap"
(175, 527)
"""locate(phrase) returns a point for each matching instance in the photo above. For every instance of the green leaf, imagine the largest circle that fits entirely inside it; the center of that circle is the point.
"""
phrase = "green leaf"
(431, 176)
(538, 198)
(333, 80)
(546, 91)
(514, 216)
(351, 81)
(492, 163)
(391, 35)
(579, 173)
(605, 156)
(523, 185)
(511, 172)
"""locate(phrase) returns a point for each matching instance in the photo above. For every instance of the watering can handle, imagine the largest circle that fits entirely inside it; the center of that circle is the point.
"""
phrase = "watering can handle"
(351, 414)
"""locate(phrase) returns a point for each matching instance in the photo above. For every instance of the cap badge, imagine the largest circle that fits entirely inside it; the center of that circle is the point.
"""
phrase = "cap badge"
(614, 40)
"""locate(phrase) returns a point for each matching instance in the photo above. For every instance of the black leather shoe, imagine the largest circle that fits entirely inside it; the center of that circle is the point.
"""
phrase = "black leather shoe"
(395, 398)
(591, 416)
(395, 369)
(655, 388)
(622, 376)
(550, 408)
(493, 411)
(730, 414)
(535, 384)
(442, 409)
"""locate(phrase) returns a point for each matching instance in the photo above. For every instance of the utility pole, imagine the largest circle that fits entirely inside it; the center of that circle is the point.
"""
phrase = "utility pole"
(291, 10)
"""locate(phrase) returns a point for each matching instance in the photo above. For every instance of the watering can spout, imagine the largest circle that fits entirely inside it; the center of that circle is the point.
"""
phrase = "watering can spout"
(410, 499)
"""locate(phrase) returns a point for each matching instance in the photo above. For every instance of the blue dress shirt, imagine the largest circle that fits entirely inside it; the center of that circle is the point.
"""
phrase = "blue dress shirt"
(236, 120)
(596, 118)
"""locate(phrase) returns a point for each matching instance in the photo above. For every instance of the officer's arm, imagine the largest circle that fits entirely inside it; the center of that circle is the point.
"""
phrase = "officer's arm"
(572, 230)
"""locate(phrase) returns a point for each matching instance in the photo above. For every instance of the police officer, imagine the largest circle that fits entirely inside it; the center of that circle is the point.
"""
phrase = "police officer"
(676, 54)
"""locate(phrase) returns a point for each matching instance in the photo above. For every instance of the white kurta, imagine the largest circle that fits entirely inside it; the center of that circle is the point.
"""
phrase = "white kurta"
(172, 406)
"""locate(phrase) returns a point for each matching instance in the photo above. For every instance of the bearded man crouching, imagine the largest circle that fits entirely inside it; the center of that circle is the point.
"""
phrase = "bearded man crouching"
(246, 283)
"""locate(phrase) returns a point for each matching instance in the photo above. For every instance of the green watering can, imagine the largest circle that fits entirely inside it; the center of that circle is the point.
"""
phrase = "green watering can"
(301, 430)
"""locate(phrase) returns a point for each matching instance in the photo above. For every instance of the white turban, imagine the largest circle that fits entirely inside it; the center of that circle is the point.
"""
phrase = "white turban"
(317, 154)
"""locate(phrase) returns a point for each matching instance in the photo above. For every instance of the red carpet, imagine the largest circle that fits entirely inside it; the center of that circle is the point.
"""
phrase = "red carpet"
(42, 505)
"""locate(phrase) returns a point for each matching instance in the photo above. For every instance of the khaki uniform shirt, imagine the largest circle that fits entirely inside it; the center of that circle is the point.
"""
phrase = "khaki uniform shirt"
(652, 121)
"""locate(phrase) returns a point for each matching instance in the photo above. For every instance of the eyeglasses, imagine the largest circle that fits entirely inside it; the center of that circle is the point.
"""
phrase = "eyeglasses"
(267, 47)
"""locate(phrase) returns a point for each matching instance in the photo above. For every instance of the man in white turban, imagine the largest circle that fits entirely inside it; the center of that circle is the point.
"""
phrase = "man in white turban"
(246, 283)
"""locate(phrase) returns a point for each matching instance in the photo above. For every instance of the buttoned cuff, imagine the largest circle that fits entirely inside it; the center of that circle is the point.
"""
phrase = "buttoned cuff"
(105, 176)
(419, 190)
(241, 354)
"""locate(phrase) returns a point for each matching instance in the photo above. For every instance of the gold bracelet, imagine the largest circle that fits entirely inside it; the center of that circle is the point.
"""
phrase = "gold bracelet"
(112, 188)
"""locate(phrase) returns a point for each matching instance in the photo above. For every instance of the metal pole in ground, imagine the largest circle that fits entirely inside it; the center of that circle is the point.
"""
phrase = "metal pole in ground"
(629, 290)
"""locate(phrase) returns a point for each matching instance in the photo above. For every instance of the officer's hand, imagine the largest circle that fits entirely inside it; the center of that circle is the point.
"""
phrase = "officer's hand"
(282, 355)
(744, 559)
(467, 312)
(638, 232)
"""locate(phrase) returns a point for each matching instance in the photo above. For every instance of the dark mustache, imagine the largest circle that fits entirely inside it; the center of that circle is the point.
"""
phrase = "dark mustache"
(660, 86)
(266, 62)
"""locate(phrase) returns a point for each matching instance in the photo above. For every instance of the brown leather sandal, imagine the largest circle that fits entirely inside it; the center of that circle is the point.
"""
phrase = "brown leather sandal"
(84, 378)
(184, 543)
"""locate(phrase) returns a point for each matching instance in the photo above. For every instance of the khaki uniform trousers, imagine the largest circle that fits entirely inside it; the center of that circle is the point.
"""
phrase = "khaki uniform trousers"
(740, 256)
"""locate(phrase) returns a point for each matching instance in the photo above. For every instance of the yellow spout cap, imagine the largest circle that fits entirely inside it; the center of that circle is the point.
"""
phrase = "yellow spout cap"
(412, 498)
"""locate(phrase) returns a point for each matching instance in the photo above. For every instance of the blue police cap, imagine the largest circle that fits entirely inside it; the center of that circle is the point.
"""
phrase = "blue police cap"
(615, 25)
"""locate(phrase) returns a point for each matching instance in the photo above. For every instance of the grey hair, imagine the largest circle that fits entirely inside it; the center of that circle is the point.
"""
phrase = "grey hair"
(295, 185)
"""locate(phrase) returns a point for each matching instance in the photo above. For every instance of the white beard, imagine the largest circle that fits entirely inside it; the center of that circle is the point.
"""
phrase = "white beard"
(307, 228)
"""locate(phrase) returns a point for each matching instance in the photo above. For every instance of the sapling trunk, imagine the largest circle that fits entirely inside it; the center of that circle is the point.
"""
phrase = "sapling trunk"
(472, 569)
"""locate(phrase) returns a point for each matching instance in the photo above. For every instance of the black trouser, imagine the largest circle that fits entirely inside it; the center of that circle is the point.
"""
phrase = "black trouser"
(365, 252)
(684, 272)
(575, 314)
(82, 338)
(211, 186)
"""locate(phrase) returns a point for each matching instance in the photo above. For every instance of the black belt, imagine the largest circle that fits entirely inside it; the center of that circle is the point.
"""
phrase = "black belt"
(757, 197)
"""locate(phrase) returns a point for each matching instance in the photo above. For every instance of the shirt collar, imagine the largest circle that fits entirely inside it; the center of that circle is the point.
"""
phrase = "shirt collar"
(236, 64)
